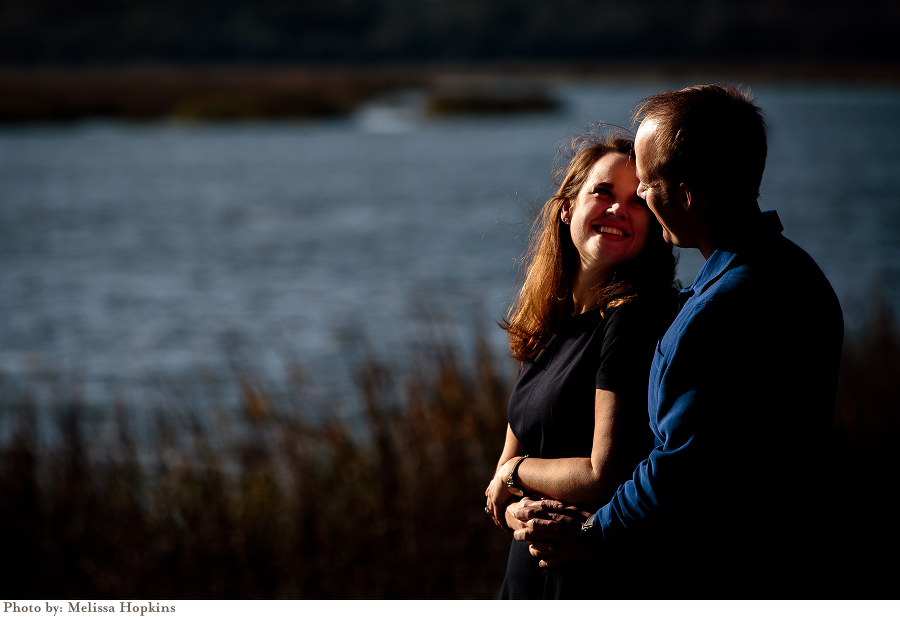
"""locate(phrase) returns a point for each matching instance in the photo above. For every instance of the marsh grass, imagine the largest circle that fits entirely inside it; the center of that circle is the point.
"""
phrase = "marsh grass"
(191, 93)
(279, 499)
(865, 485)
(218, 93)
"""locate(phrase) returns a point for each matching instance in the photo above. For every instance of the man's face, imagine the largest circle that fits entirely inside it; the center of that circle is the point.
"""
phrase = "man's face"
(668, 212)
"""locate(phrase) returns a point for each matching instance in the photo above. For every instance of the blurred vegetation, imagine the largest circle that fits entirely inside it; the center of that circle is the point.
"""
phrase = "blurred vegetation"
(279, 499)
(286, 502)
(866, 489)
(29, 94)
(315, 31)
(40, 94)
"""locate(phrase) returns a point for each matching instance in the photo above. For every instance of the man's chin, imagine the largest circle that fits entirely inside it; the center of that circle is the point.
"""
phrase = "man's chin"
(680, 242)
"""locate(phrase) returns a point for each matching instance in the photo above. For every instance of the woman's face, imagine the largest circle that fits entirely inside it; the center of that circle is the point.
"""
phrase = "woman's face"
(608, 221)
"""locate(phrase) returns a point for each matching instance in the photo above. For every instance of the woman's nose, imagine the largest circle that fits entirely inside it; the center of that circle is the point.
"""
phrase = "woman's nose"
(616, 209)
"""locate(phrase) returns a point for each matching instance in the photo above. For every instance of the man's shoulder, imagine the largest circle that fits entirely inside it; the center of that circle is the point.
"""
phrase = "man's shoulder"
(795, 276)
(763, 291)
(778, 266)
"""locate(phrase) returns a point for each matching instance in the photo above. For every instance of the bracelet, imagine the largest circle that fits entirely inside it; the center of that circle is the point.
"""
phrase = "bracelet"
(512, 481)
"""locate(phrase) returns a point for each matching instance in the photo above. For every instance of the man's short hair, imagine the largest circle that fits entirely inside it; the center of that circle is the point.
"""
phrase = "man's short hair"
(711, 137)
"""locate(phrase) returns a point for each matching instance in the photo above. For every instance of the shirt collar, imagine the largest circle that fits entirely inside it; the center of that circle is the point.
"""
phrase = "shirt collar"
(767, 223)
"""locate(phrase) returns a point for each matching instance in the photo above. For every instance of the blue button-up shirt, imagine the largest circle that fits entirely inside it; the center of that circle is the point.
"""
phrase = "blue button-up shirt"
(740, 400)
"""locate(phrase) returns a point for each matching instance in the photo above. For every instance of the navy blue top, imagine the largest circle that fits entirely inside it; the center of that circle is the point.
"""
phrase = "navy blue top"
(551, 412)
(551, 408)
(741, 401)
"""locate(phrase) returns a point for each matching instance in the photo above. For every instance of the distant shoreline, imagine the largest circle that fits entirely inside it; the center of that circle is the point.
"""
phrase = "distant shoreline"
(51, 93)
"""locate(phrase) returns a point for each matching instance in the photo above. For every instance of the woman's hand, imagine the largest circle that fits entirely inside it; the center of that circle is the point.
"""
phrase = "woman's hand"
(498, 496)
(497, 493)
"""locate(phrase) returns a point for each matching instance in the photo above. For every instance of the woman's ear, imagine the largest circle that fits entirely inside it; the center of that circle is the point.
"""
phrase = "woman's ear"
(565, 213)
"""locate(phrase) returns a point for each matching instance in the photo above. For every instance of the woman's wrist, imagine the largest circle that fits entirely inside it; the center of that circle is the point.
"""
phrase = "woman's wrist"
(506, 526)
(512, 480)
(505, 468)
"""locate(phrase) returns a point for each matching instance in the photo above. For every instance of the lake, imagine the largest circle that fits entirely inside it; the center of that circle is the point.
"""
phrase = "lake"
(134, 253)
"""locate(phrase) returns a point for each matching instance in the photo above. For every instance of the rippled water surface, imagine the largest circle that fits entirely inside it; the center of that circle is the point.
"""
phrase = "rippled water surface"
(129, 251)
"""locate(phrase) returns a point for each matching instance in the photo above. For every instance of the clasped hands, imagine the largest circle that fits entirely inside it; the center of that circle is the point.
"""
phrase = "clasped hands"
(550, 527)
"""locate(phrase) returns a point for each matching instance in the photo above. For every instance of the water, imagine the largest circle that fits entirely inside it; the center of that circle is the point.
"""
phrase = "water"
(134, 251)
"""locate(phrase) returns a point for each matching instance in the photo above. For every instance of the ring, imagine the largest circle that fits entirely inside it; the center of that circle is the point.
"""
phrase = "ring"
(487, 510)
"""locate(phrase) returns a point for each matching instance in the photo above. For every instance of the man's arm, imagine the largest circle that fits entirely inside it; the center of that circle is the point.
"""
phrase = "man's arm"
(691, 387)
(691, 381)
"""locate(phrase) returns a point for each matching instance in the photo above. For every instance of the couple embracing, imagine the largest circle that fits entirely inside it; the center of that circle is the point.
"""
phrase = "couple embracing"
(720, 494)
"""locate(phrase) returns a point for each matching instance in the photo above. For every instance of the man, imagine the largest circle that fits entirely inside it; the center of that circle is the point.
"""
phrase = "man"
(742, 385)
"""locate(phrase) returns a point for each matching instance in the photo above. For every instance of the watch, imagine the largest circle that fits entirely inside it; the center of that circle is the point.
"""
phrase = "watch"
(588, 535)
(512, 481)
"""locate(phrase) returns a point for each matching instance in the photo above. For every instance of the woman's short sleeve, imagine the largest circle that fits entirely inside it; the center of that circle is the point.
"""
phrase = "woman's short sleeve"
(630, 333)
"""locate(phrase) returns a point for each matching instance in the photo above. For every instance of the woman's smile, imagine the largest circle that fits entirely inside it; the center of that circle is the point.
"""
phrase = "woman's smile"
(614, 231)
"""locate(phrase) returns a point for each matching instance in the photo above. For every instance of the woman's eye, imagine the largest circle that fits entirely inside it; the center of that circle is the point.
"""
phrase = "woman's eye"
(601, 191)
(641, 202)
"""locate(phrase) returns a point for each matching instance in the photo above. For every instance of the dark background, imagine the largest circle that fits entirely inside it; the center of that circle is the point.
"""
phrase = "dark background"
(371, 31)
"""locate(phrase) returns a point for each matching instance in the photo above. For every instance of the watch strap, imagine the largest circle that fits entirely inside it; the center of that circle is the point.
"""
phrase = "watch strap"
(588, 534)
(512, 480)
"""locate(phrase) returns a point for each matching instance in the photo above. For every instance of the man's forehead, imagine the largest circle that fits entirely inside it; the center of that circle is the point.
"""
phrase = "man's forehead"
(647, 129)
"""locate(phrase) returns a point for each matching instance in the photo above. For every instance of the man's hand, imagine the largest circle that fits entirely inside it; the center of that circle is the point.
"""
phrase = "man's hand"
(552, 530)
(520, 510)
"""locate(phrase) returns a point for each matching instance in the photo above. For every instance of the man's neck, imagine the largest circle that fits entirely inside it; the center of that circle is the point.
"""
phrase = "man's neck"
(737, 231)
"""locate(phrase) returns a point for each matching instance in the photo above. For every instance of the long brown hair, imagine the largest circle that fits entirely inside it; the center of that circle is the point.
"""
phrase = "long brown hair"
(550, 262)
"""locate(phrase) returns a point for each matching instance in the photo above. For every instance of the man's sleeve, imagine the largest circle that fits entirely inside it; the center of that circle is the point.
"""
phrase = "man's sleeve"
(693, 375)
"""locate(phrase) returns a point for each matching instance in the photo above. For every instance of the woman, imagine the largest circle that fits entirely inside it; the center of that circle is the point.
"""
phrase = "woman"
(597, 294)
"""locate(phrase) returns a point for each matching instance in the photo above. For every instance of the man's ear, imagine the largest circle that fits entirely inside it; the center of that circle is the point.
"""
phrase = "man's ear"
(684, 197)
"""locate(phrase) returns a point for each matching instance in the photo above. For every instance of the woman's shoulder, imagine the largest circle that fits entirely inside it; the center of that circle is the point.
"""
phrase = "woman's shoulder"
(645, 307)
(653, 315)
